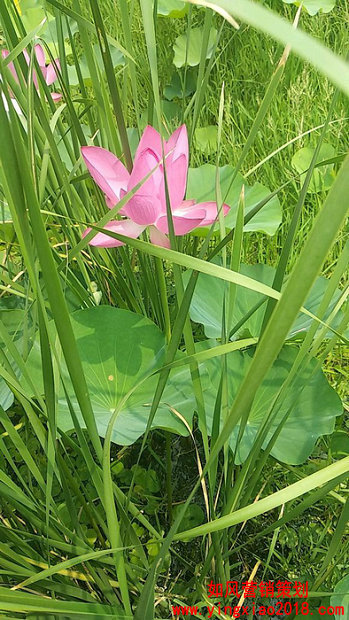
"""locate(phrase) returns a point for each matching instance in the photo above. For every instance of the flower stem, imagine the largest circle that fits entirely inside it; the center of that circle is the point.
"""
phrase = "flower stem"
(169, 477)
(163, 297)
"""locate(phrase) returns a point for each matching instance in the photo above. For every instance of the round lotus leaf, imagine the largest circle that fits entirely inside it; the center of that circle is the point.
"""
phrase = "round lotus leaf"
(310, 405)
(201, 186)
(120, 352)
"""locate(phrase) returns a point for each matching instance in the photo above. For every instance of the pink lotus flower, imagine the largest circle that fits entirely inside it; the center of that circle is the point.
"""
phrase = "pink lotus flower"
(147, 207)
(48, 71)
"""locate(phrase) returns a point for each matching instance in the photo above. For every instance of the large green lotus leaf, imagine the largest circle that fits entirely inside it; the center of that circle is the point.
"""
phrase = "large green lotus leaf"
(119, 350)
(52, 29)
(171, 111)
(133, 417)
(7, 230)
(206, 139)
(174, 90)
(62, 149)
(322, 177)
(201, 186)
(207, 303)
(315, 6)
(341, 596)
(192, 55)
(312, 403)
(339, 444)
(13, 317)
(14, 320)
(117, 60)
(32, 13)
(172, 8)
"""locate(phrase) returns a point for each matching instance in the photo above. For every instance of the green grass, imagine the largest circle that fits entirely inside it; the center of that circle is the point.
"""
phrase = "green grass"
(300, 104)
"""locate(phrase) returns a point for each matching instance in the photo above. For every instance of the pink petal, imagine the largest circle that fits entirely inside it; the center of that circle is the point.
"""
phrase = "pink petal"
(143, 209)
(150, 140)
(43, 71)
(40, 55)
(51, 75)
(158, 238)
(178, 143)
(145, 206)
(122, 227)
(108, 172)
(211, 212)
(27, 58)
(150, 200)
(35, 77)
(4, 54)
(111, 203)
(184, 219)
(176, 174)
(56, 97)
(185, 205)
(176, 164)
